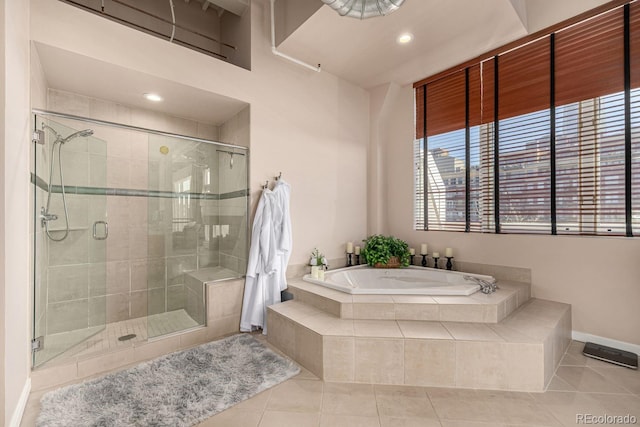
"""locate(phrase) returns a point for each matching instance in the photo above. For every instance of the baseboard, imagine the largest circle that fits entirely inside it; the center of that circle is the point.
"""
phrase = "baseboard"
(16, 418)
(584, 337)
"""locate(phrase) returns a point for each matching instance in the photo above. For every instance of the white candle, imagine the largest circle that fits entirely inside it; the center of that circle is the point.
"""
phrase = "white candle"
(321, 274)
(315, 271)
(423, 249)
(436, 254)
(349, 247)
(357, 251)
(448, 252)
(412, 251)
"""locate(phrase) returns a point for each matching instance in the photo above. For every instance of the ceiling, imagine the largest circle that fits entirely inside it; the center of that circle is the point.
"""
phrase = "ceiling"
(446, 32)
(110, 82)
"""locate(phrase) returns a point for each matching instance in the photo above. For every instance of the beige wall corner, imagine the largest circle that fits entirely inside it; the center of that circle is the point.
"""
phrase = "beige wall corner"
(383, 101)
(16, 122)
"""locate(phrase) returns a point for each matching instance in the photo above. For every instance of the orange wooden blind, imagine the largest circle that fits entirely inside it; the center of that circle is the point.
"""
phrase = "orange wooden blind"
(590, 58)
(524, 79)
(419, 94)
(446, 104)
(590, 141)
(481, 93)
(634, 22)
(588, 124)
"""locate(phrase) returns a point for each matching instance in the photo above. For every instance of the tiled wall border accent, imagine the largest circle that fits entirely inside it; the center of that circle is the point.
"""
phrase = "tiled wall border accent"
(99, 191)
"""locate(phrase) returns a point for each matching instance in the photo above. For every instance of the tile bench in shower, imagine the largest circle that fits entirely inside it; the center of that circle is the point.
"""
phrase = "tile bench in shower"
(520, 352)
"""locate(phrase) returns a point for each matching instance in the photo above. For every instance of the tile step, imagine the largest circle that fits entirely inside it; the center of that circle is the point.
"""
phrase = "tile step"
(519, 353)
(477, 308)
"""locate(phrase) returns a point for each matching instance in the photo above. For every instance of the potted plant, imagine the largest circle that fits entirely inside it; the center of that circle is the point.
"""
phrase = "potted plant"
(385, 252)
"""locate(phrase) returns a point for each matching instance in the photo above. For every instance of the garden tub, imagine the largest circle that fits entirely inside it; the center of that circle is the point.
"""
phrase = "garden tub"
(399, 281)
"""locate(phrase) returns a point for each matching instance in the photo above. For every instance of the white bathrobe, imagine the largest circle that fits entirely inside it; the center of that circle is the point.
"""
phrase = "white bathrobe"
(259, 264)
(269, 255)
(282, 231)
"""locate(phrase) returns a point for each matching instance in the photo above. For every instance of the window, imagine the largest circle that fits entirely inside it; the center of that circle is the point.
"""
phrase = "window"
(634, 116)
(541, 138)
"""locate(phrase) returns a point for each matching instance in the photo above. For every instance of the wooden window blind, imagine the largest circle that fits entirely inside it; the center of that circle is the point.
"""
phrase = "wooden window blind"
(481, 116)
(524, 79)
(446, 104)
(589, 83)
(419, 102)
(552, 145)
(446, 153)
(524, 158)
(589, 58)
(481, 93)
(634, 47)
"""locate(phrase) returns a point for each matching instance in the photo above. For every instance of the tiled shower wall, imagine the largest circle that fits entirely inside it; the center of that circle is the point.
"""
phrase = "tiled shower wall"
(233, 252)
(143, 268)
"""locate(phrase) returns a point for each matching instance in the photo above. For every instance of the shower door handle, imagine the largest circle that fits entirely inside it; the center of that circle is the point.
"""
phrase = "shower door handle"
(95, 230)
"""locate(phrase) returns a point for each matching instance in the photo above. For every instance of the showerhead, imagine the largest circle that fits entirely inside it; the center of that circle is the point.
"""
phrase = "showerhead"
(80, 133)
(59, 138)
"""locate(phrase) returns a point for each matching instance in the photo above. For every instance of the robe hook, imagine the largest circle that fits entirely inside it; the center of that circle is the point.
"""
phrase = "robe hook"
(279, 176)
(266, 184)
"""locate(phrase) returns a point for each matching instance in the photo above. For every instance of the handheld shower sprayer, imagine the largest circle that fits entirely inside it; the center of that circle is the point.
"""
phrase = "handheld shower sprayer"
(60, 139)
(45, 215)
(80, 134)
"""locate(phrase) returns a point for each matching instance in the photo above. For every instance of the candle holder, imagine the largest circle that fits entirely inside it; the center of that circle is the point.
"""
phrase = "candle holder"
(349, 259)
(449, 263)
(435, 262)
(413, 257)
(357, 259)
(424, 260)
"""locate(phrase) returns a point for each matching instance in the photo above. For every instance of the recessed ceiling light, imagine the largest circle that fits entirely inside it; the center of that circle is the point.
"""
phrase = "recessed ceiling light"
(153, 97)
(405, 38)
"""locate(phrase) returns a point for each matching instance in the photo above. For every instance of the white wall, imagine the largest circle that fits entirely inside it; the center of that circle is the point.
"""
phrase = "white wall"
(543, 13)
(15, 204)
(598, 276)
(383, 98)
(3, 263)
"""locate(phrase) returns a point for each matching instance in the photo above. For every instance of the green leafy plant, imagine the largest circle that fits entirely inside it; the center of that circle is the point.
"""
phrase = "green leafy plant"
(317, 258)
(379, 249)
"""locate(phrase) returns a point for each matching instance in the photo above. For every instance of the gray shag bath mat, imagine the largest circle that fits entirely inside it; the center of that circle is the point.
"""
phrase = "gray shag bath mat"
(179, 389)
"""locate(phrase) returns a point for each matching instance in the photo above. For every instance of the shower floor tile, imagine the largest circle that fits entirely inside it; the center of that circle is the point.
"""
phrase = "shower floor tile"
(106, 339)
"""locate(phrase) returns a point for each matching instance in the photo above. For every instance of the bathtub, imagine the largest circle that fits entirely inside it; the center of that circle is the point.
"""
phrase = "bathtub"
(398, 281)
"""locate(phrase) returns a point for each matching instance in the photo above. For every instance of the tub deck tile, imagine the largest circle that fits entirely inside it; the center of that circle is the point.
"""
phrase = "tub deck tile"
(377, 329)
(424, 330)
(471, 332)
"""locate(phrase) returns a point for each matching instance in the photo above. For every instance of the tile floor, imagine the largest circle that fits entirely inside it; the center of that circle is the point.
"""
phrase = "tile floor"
(102, 339)
(580, 386)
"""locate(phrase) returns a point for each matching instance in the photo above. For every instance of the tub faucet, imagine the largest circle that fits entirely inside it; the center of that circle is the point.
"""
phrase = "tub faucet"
(486, 287)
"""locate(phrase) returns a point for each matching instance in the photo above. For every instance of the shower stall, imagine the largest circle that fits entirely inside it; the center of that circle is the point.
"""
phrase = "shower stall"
(129, 226)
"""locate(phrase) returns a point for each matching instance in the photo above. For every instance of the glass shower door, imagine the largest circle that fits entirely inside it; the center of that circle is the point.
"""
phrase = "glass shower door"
(197, 227)
(69, 238)
(177, 179)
